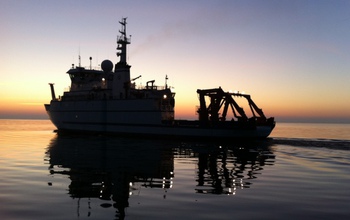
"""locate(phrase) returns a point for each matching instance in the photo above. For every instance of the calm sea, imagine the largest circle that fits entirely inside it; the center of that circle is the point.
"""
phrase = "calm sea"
(301, 172)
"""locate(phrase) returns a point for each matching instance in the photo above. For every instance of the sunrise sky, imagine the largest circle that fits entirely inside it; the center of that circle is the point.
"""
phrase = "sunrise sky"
(293, 57)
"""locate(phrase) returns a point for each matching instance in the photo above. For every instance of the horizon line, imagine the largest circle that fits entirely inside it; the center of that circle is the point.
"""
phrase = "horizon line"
(280, 120)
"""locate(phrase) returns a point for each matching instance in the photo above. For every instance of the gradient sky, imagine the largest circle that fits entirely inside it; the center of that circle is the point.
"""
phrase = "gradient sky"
(293, 57)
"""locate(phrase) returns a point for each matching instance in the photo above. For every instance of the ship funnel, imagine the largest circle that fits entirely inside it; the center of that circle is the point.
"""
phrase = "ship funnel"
(53, 96)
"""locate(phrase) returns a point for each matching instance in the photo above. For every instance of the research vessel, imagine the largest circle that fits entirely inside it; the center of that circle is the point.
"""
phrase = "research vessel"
(107, 100)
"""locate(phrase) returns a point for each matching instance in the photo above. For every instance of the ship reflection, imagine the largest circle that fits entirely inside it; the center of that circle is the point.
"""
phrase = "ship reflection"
(110, 168)
(223, 170)
(113, 169)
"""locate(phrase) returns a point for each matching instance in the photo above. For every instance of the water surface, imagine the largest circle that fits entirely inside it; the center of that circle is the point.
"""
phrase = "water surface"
(302, 172)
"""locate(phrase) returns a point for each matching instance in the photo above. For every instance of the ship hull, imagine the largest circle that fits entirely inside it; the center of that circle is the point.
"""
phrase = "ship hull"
(130, 117)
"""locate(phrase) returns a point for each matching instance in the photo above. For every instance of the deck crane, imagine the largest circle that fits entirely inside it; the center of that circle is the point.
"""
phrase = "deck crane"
(218, 99)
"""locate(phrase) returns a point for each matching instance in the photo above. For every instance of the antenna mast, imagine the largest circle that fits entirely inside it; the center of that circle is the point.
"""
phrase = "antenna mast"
(122, 41)
(166, 81)
(79, 58)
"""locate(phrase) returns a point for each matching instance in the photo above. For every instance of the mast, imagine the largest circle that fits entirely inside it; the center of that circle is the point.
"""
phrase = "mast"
(122, 41)
(121, 81)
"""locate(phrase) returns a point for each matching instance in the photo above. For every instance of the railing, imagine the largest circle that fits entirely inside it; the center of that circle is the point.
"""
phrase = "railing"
(154, 87)
(88, 67)
(123, 38)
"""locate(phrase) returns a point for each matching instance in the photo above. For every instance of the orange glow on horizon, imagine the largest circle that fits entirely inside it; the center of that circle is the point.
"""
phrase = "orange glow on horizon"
(19, 109)
(186, 109)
